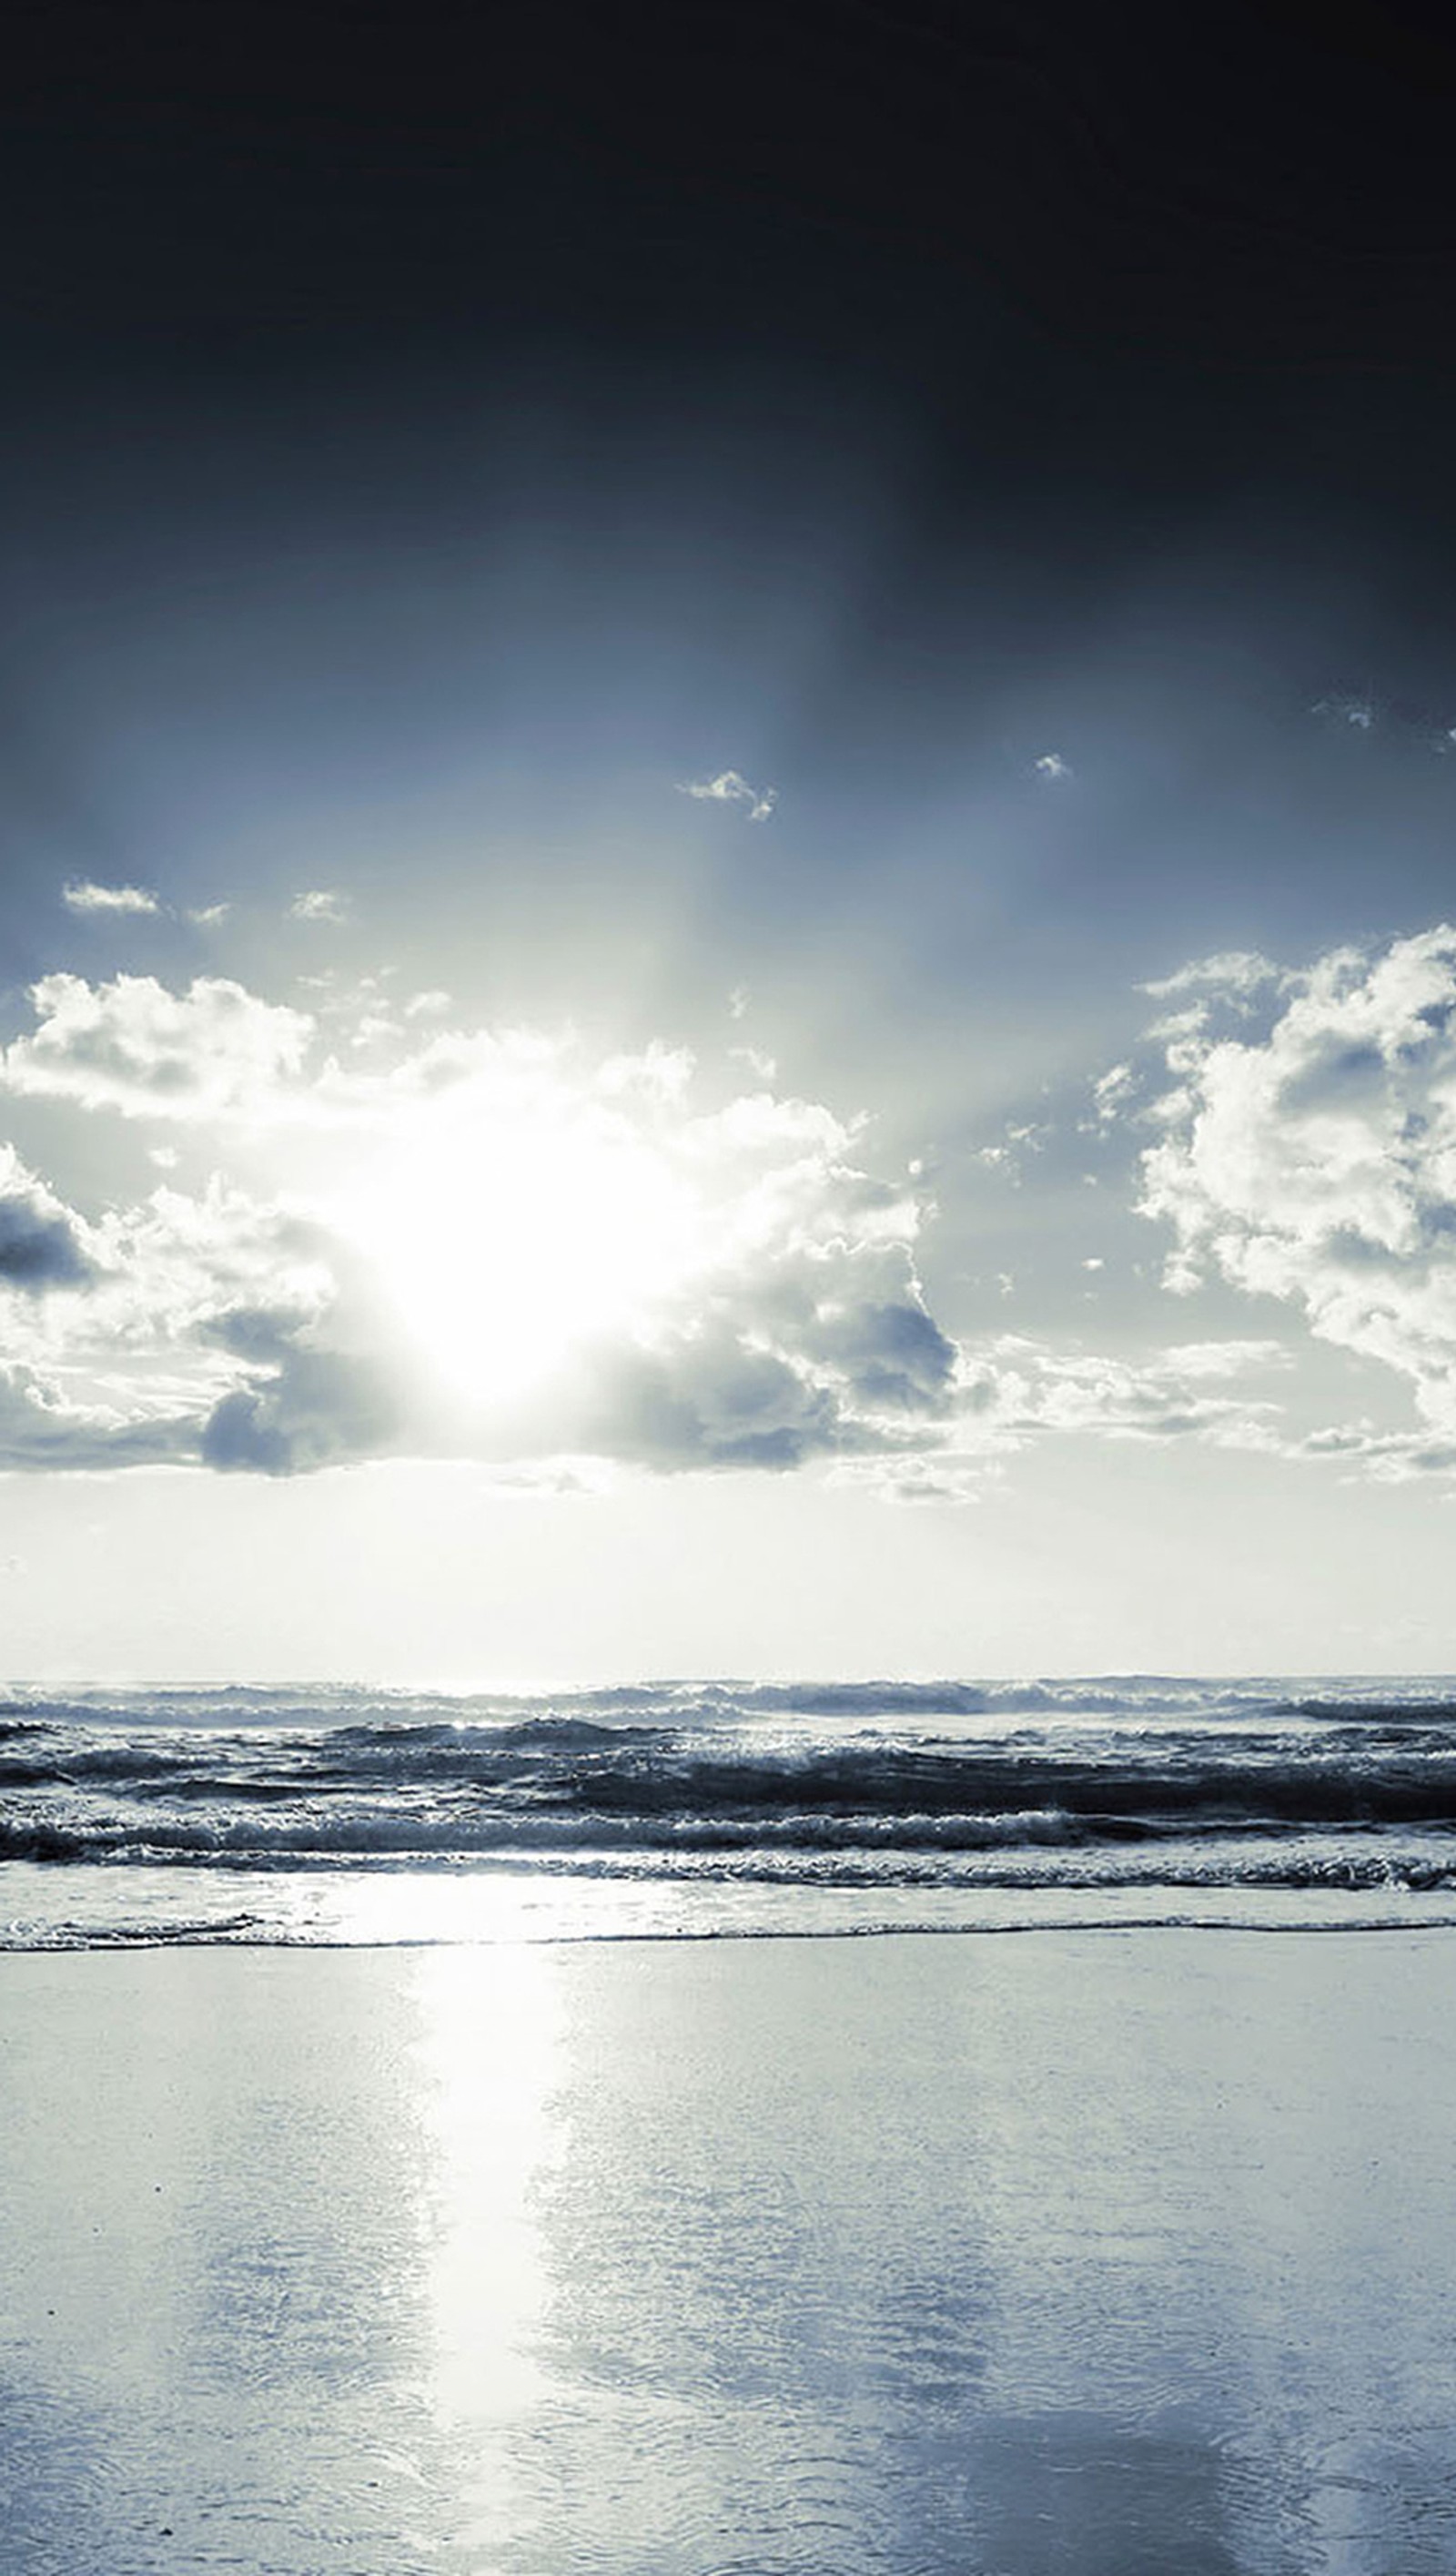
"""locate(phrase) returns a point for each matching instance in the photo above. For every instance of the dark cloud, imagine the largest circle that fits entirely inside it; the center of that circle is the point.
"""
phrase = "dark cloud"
(704, 1400)
(39, 1245)
(895, 1357)
(319, 1408)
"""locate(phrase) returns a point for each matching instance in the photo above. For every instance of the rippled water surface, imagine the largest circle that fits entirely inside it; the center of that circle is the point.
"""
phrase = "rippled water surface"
(1096, 2255)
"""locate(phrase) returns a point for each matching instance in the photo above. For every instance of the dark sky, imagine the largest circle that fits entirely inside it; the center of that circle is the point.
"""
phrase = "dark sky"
(1173, 246)
(1019, 341)
(857, 390)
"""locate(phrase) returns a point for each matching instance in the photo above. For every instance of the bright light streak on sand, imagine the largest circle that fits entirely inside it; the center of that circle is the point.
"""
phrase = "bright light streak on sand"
(489, 2056)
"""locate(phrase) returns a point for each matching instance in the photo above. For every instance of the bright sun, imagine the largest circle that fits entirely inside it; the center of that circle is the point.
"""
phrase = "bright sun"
(506, 1232)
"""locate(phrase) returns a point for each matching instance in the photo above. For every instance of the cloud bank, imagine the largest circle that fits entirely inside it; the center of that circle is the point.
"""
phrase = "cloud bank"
(413, 1238)
(486, 1245)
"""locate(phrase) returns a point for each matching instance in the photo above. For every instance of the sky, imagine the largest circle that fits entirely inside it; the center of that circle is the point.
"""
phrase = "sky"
(726, 843)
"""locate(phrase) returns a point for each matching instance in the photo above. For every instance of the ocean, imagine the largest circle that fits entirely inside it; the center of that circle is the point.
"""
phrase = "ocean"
(417, 2153)
(346, 1816)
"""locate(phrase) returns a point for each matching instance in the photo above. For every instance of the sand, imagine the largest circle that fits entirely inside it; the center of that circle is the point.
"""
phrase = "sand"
(1055, 2255)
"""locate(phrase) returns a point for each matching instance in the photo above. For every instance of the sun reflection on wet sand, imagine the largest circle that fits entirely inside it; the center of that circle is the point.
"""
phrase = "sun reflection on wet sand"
(488, 2060)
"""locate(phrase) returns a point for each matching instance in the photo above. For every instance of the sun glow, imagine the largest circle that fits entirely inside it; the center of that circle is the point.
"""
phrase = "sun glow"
(505, 1232)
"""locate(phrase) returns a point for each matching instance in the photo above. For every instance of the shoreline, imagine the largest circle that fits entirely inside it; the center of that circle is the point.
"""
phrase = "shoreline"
(124, 1945)
(57, 1908)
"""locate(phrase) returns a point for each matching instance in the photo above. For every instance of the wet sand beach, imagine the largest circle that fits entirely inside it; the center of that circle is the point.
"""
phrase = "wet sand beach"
(1088, 2254)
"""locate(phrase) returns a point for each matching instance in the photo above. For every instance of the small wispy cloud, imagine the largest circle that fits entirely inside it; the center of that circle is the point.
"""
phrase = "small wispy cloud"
(80, 895)
(1052, 765)
(757, 1062)
(1234, 972)
(729, 788)
(1112, 1092)
(1342, 708)
(206, 916)
(319, 903)
(1412, 722)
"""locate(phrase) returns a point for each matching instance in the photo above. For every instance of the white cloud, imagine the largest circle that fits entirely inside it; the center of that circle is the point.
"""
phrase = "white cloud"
(207, 916)
(1317, 1163)
(1015, 1389)
(83, 896)
(1112, 1092)
(1019, 1137)
(939, 1477)
(1051, 765)
(319, 903)
(133, 1046)
(1013, 1392)
(41, 1429)
(728, 788)
(1235, 974)
(762, 1067)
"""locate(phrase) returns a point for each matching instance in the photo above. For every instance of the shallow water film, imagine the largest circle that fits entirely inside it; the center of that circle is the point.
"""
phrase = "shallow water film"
(1076, 2255)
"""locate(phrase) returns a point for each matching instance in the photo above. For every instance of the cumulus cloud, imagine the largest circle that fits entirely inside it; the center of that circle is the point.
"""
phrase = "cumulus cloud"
(1315, 1162)
(175, 1304)
(82, 896)
(133, 1046)
(319, 903)
(728, 788)
(1052, 766)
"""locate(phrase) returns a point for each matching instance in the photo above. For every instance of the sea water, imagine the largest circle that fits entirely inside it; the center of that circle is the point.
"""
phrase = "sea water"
(334, 1816)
